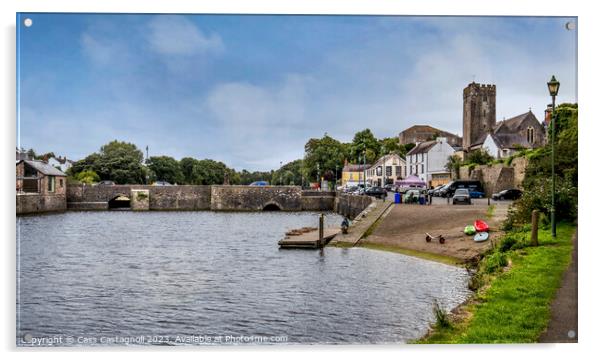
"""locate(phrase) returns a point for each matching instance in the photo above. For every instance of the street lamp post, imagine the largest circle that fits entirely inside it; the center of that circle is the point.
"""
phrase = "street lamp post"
(364, 167)
(336, 175)
(281, 173)
(553, 86)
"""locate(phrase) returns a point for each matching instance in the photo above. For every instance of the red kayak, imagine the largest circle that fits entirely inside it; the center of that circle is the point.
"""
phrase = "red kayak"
(481, 226)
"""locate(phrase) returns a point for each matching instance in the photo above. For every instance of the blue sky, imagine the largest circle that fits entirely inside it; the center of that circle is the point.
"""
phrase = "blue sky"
(251, 90)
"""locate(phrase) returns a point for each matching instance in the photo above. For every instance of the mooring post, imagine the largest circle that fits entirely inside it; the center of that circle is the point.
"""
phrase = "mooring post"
(534, 227)
(321, 230)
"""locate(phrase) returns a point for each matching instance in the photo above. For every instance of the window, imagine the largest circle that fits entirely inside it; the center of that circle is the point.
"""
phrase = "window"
(398, 170)
(388, 171)
(422, 169)
(51, 181)
(530, 134)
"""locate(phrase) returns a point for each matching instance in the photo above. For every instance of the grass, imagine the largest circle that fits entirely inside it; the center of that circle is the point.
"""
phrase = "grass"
(513, 305)
(419, 254)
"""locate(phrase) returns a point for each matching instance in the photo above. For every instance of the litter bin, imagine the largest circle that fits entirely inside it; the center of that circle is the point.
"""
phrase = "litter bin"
(422, 200)
(397, 198)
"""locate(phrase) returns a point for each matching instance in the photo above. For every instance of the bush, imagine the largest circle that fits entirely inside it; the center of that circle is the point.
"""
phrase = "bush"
(494, 262)
(441, 316)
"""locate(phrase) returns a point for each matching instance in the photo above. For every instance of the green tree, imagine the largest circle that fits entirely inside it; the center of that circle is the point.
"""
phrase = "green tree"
(365, 141)
(392, 146)
(479, 157)
(537, 183)
(118, 161)
(165, 168)
(289, 174)
(453, 165)
(322, 155)
(87, 177)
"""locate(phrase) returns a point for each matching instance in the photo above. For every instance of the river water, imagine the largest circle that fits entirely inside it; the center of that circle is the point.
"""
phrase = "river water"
(115, 278)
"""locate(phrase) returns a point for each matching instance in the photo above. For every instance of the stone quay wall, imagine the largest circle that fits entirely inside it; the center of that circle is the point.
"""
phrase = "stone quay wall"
(351, 205)
(31, 203)
(201, 197)
(497, 177)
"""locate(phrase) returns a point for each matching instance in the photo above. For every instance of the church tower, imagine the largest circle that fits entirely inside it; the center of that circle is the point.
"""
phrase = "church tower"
(479, 112)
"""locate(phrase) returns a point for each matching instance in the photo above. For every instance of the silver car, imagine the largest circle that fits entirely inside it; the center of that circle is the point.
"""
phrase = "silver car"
(461, 196)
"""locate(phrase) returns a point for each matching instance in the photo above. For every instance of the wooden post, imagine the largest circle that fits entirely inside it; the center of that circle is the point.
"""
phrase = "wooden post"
(534, 227)
(321, 230)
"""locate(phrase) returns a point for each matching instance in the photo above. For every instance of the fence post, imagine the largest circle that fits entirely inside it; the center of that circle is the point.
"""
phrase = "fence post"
(534, 227)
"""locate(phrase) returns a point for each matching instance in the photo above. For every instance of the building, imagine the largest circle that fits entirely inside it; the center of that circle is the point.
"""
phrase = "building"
(427, 160)
(61, 163)
(509, 136)
(479, 113)
(386, 170)
(353, 174)
(422, 133)
(40, 187)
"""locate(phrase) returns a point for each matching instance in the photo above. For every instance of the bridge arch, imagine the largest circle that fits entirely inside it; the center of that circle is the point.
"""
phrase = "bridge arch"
(121, 201)
(272, 206)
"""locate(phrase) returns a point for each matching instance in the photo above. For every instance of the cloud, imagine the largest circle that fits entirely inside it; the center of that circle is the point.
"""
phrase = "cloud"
(99, 52)
(176, 35)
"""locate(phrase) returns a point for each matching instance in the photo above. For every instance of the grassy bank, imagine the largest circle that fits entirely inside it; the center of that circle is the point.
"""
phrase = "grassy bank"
(515, 285)
(420, 254)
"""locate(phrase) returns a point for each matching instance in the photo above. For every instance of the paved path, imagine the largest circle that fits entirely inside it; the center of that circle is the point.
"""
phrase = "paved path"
(361, 224)
(563, 322)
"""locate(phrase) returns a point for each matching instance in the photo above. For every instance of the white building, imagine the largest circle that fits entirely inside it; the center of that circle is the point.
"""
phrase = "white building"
(427, 160)
(386, 170)
(61, 163)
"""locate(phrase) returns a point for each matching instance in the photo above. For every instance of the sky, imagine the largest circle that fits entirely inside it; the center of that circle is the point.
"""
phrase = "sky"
(250, 90)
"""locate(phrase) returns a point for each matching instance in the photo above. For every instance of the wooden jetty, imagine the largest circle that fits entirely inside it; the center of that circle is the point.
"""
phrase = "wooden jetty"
(309, 240)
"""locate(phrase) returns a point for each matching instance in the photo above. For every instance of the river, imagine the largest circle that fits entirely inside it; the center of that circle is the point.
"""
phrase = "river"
(122, 277)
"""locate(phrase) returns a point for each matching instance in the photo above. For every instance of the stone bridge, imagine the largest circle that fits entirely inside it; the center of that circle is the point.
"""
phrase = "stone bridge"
(198, 197)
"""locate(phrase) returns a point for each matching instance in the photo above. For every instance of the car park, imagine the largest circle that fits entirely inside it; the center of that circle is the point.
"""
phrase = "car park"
(509, 194)
(431, 192)
(475, 194)
(450, 189)
(461, 196)
(376, 191)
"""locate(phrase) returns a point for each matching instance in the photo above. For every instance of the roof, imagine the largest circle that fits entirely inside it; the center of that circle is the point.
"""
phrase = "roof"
(422, 147)
(43, 168)
(506, 135)
(356, 167)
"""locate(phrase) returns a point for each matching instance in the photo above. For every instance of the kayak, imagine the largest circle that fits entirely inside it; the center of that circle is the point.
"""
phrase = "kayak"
(481, 226)
(469, 230)
(481, 236)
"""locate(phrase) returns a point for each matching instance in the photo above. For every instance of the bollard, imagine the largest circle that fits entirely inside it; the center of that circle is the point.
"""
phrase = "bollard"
(488, 201)
(448, 200)
(534, 227)
(321, 230)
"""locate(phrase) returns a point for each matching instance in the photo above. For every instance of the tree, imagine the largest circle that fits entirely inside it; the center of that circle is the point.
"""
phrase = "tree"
(87, 177)
(321, 155)
(392, 146)
(289, 174)
(479, 157)
(453, 165)
(118, 161)
(365, 141)
(165, 168)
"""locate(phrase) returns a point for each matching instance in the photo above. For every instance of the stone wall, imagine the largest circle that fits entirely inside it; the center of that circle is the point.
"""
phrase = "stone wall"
(182, 197)
(245, 198)
(497, 177)
(351, 205)
(193, 197)
(30, 203)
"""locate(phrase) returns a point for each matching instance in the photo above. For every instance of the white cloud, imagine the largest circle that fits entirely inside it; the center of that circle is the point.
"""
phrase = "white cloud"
(176, 35)
(99, 52)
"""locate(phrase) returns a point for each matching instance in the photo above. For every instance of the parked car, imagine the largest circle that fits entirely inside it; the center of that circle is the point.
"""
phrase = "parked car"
(509, 194)
(450, 188)
(475, 194)
(390, 187)
(161, 183)
(431, 192)
(259, 183)
(411, 196)
(439, 191)
(461, 196)
(376, 191)
(106, 183)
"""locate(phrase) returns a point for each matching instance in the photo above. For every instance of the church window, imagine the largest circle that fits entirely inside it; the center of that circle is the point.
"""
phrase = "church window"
(530, 134)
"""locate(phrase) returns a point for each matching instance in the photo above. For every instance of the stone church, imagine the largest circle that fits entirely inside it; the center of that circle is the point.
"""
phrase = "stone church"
(500, 139)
